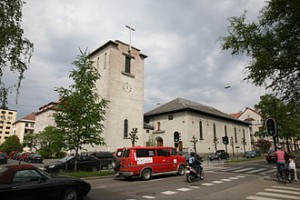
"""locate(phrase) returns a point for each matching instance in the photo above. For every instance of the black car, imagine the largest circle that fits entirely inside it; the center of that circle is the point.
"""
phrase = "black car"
(84, 163)
(252, 154)
(218, 155)
(34, 158)
(3, 158)
(18, 182)
(105, 158)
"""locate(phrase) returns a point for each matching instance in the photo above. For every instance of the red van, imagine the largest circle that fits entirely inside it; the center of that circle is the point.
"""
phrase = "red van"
(146, 162)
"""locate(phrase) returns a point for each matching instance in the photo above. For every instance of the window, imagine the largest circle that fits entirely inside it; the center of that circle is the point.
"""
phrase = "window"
(125, 128)
(163, 152)
(127, 64)
(170, 117)
(200, 130)
(215, 132)
(25, 176)
(235, 136)
(158, 126)
(225, 129)
(147, 121)
(145, 153)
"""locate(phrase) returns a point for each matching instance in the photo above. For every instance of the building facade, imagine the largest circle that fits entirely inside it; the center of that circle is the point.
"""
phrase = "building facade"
(24, 126)
(193, 120)
(122, 83)
(7, 118)
(44, 117)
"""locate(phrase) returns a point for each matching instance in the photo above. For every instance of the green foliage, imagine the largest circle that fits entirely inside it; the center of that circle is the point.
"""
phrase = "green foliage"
(273, 44)
(81, 111)
(263, 145)
(31, 141)
(12, 143)
(51, 142)
(15, 50)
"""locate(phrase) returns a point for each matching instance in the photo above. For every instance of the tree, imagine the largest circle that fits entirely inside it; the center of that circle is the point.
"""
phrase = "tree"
(16, 51)
(287, 118)
(133, 136)
(273, 44)
(194, 141)
(51, 142)
(80, 113)
(12, 143)
(216, 141)
(31, 141)
(263, 145)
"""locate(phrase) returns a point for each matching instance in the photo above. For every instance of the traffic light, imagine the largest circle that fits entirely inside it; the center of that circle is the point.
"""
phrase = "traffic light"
(225, 140)
(271, 127)
(176, 138)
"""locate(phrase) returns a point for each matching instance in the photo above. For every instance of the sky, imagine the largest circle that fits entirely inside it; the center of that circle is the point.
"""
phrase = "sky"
(180, 38)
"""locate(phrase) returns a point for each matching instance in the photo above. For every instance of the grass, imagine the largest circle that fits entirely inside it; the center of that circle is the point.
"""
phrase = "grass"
(81, 174)
(240, 160)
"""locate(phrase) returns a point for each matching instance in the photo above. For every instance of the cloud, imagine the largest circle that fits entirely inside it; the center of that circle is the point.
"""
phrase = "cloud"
(181, 39)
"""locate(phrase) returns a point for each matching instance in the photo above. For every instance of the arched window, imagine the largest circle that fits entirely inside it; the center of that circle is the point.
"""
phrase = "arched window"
(125, 128)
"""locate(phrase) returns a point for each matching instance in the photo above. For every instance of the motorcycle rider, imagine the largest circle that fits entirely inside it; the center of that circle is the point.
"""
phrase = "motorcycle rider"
(195, 162)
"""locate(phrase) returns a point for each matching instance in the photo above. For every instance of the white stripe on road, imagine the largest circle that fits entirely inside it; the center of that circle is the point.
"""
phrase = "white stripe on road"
(148, 197)
(225, 179)
(260, 198)
(207, 184)
(218, 182)
(169, 192)
(257, 170)
(282, 191)
(184, 189)
(278, 195)
(245, 169)
(287, 188)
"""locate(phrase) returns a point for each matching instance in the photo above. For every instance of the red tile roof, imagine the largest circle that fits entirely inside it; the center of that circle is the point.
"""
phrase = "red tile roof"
(31, 117)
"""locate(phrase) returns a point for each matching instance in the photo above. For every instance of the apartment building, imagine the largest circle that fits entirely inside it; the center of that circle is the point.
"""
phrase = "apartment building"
(7, 118)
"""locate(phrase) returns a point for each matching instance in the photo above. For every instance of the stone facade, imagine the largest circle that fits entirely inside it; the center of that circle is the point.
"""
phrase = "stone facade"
(207, 124)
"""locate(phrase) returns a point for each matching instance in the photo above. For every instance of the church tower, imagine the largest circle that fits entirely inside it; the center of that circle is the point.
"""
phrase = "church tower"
(122, 83)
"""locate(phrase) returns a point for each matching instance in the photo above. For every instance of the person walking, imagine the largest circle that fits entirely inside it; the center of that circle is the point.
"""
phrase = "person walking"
(292, 166)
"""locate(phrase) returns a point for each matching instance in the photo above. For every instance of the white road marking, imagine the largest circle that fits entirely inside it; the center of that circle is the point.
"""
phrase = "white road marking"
(259, 198)
(225, 179)
(287, 188)
(148, 197)
(282, 191)
(218, 182)
(278, 195)
(184, 189)
(207, 184)
(169, 192)
(257, 170)
(244, 169)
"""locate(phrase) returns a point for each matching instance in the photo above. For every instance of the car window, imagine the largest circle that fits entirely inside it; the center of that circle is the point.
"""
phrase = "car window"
(163, 152)
(119, 153)
(145, 153)
(126, 153)
(25, 176)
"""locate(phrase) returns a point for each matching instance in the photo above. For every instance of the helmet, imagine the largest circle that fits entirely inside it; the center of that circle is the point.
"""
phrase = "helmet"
(192, 154)
(279, 146)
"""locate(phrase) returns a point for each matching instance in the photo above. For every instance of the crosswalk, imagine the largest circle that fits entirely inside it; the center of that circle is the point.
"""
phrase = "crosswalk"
(277, 193)
(245, 170)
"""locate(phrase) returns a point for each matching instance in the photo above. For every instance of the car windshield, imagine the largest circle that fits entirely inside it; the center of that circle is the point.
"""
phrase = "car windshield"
(66, 159)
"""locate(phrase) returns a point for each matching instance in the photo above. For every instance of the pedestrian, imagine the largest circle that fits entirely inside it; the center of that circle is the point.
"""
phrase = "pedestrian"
(281, 157)
(292, 166)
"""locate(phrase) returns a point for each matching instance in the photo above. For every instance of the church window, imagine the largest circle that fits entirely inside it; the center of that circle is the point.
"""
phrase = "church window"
(235, 136)
(126, 128)
(201, 130)
(127, 64)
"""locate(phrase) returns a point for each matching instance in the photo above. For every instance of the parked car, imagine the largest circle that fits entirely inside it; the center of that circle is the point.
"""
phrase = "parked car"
(271, 156)
(146, 162)
(34, 158)
(23, 156)
(12, 154)
(3, 158)
(18, 182)
(218, 155)
(84, 163)
(252, 154)
(105, 158)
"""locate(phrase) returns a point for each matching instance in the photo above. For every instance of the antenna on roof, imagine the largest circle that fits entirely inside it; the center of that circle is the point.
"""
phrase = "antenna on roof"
(130, 29)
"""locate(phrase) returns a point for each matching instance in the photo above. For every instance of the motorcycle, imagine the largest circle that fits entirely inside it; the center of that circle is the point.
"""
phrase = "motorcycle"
(192, 175)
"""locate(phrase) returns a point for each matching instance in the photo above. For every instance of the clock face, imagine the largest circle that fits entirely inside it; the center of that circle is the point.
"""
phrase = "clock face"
(127, 87)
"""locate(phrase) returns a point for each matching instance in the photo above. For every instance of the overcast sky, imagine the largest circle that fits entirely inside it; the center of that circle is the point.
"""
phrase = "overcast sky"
(180, 38)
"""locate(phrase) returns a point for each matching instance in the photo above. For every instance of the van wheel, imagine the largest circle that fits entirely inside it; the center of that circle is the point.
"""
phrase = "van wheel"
(181, 170)
(146, 174)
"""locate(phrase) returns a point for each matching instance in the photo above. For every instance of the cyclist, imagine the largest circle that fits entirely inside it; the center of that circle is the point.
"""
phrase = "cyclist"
(281, 157)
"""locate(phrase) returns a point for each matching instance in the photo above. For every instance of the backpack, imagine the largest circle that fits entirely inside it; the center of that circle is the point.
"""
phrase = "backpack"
(191, 160)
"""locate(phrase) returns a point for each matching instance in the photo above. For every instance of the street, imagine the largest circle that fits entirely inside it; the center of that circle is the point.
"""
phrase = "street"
(252, 180)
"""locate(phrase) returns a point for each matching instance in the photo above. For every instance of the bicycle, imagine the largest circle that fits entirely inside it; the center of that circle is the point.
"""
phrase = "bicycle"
(291, 175)
(282, 174)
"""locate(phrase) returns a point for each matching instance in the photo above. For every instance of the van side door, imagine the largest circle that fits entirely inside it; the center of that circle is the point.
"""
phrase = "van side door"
(164, 160)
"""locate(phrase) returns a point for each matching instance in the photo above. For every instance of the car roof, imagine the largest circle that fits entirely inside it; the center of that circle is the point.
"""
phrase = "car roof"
(7, 176)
